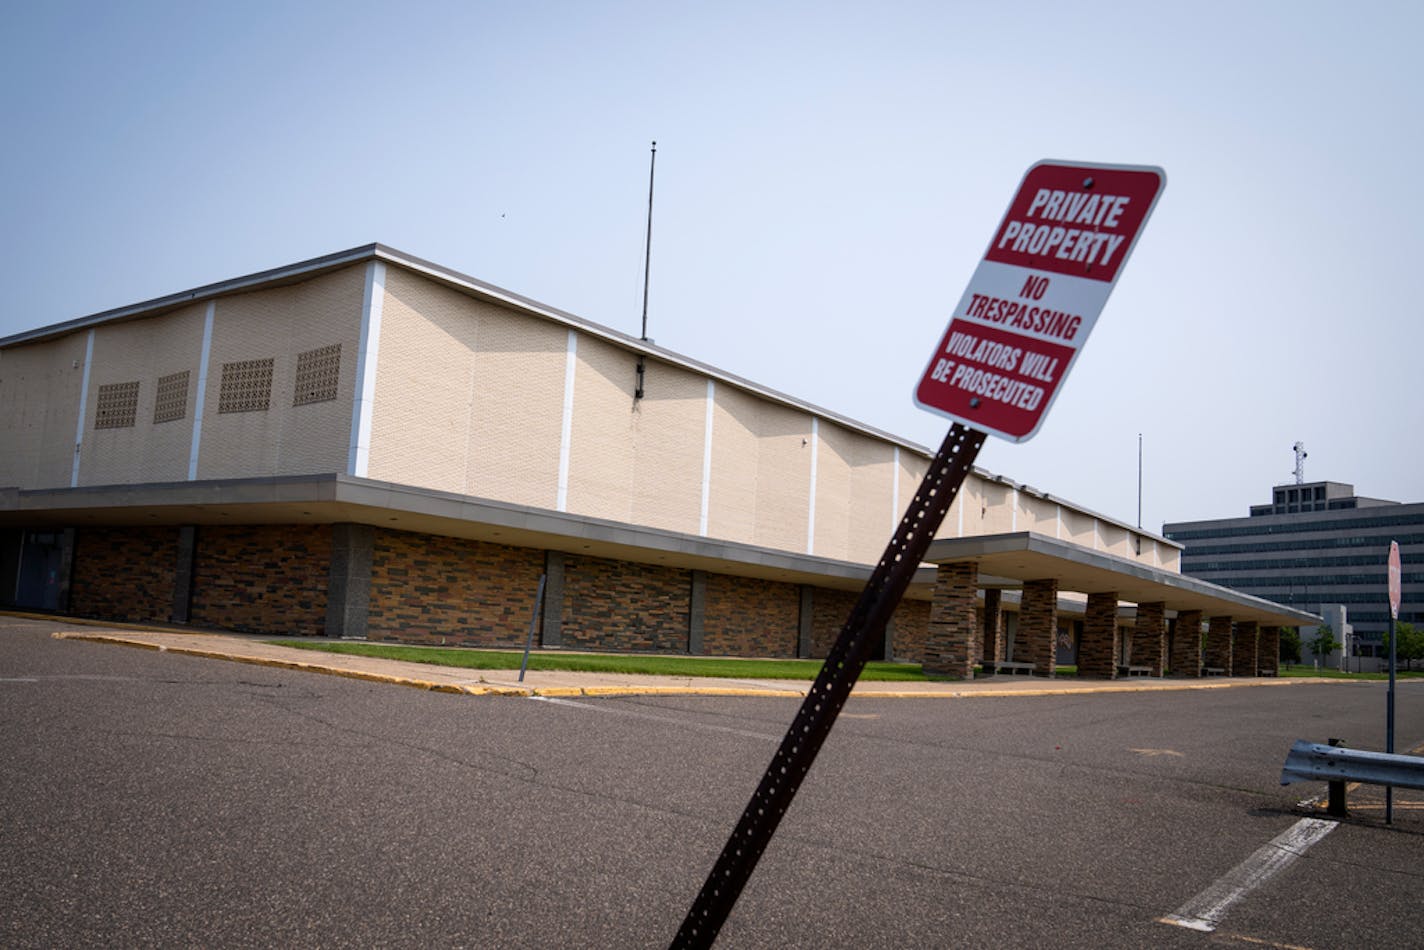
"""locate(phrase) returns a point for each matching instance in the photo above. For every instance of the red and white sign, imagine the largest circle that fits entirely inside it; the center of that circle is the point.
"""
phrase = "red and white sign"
(1035, 296)
(1395, 579)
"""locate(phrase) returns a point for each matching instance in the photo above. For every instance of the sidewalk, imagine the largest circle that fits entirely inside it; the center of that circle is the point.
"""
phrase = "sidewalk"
(241, 648)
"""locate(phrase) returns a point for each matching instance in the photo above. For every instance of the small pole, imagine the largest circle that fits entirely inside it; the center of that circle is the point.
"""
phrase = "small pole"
(1389, 726)
(1139, 481)
(648, 246)
(533, 622)
(647, 271)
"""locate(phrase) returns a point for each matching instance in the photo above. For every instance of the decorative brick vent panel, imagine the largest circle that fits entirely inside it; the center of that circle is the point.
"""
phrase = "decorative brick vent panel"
(318, 374)
(246, 386)
(118, 406)
(172, 398)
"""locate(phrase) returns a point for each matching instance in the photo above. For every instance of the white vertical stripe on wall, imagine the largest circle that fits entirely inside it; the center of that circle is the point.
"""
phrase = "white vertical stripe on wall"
(895, 495)
(368, 349)
(707, 456)
(200, 397)
(566, 433)
(1014, 512)
(811, 508)
(1058, 521)
(960, 498)
(83, 408)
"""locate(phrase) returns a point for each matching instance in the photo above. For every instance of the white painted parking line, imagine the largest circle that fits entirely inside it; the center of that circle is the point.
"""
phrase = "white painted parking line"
(1207, 909)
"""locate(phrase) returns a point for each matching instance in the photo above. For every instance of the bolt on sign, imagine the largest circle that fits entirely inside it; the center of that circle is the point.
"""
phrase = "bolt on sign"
(1036, 294)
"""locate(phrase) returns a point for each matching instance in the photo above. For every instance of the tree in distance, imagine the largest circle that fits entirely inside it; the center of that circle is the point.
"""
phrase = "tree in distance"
(1323, 643)
(1409, 646)
(1290, 644)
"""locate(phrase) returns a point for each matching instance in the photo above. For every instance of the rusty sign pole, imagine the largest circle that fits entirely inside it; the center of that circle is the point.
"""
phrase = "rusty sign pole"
(862, 631)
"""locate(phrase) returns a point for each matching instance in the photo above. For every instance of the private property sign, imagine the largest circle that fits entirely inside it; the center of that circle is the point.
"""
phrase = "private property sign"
(1035, 296)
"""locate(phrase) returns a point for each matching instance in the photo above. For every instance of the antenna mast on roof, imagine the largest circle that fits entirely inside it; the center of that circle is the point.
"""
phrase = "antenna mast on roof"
(1300, 455)
(647, 267)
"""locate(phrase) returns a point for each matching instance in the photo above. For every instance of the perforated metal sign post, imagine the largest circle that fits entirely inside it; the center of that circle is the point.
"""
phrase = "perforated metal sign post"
(1035, 296)
(1064, 240)
(822, 704)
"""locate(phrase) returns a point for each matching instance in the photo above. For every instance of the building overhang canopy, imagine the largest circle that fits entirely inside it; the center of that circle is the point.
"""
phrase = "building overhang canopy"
(1007, 560)
(334, 499)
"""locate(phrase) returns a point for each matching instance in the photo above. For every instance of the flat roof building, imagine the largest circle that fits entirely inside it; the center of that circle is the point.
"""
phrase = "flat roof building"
(370, 445)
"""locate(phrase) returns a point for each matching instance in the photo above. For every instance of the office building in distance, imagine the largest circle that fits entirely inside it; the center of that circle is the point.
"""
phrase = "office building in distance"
(1315, 544)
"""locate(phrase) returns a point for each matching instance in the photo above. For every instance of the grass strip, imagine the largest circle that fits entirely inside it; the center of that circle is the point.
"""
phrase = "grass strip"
(698, 666)
(1294, 669)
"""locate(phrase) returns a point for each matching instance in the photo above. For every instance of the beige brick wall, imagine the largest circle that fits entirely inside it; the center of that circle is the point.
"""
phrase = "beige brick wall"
(669, 427)
(601, 449)
(1079, 528)
(873, 513)
(870, 513)
(996, 514)
(517, 411)
(1037, 514)
(732, 482)
(39, 393)
(143, 351)
(424, 385)
(469, 395)
(636, 461)
(835, 467)
(1169, 558)
(280, 323)
(1115, 540)
(761, 472)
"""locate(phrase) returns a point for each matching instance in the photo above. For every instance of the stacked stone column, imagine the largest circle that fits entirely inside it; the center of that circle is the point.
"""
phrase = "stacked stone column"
(1243, 652)
(1268, 651)
(949, 641)
(1097, 651)
(1149, 637)
(1037, 639)
(1218, 644)
(1186, 645)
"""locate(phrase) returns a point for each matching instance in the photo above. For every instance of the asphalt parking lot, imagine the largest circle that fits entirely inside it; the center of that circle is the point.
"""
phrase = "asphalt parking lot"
(152, 799)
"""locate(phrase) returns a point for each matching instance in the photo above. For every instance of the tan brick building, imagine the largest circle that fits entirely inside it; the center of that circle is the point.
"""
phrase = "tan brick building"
(370, 445)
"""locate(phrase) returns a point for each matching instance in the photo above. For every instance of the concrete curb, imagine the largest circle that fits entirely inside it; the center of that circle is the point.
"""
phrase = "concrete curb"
(946, 691)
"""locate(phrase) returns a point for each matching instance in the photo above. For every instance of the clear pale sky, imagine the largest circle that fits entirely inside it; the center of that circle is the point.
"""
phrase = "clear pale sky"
(828, 176)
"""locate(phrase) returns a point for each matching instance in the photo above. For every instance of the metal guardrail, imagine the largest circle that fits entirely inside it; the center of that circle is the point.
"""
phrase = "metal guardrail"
(1314, 762)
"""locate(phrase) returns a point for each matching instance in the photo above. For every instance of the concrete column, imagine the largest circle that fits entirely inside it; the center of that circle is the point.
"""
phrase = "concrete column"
(696, 612)
(1098, 650)
(1149, 637)
(805, 627)
(551, 631)
(949, 641)
(1186, 644)
(1268, 651)
(66, 567)
(992, 646)
(1218, 644)
(183, 573)
(1037, 638)
(348, 581)
(1243, 651)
